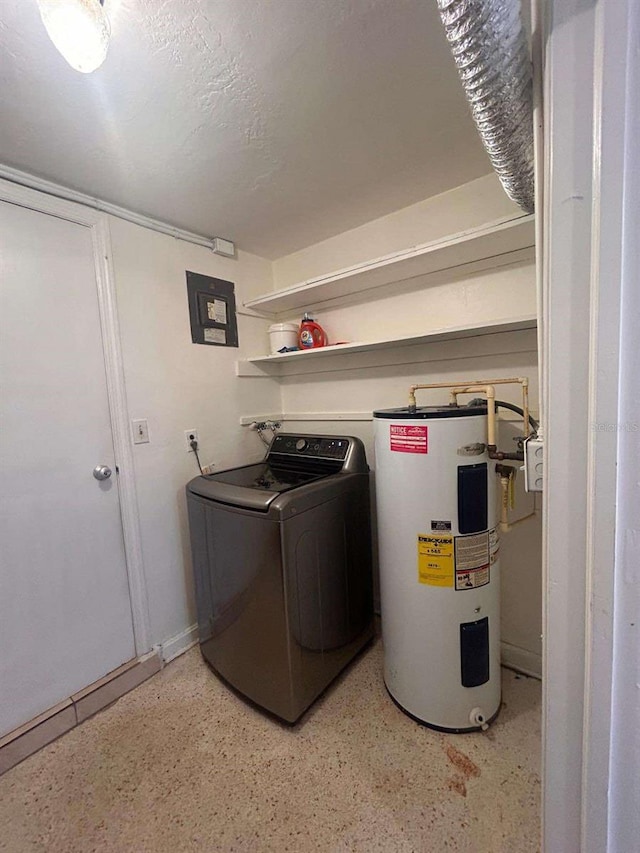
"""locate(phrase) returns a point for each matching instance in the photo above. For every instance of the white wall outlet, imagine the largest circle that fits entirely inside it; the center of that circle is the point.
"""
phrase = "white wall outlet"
(208, 469)
(189, 436)
(533, 464)
(140, 431)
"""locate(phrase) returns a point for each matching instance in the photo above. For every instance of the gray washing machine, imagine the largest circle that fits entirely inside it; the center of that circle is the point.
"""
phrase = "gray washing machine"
(281, 555)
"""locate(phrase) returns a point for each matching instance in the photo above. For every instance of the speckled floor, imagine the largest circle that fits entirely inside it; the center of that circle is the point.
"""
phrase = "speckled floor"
(182, 764)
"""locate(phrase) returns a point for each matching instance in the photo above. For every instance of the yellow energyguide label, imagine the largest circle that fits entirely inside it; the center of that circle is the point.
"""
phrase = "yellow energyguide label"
(435, 559)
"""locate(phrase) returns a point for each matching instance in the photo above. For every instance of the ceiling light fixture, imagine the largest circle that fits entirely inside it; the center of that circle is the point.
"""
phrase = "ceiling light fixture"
(79, 29)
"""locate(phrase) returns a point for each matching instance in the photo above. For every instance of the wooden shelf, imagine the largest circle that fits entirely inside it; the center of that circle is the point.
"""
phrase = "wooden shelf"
(270, 365)
(480, 248)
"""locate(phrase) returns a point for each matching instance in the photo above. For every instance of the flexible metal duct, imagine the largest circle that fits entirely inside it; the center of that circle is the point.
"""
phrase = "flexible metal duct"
(490, 50)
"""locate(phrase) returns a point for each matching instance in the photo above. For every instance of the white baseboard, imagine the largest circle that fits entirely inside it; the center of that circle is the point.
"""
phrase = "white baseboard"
(178, 645)
(327, 416)
(245, 420)
(522, 660)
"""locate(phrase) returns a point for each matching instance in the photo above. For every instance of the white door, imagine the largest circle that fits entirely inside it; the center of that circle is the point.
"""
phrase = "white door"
(65, 611)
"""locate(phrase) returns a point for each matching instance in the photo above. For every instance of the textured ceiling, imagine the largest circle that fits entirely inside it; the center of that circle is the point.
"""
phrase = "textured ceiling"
(275, 123)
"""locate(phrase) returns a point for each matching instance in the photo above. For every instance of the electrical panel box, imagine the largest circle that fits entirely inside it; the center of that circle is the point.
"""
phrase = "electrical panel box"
(212, 310)
(533, 464)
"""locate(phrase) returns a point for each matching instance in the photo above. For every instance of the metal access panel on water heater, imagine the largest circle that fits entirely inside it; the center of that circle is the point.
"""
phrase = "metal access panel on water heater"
(439, 564)
(472, 498)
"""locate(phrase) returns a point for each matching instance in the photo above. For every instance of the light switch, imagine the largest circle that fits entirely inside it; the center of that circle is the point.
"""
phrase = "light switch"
(140, 431)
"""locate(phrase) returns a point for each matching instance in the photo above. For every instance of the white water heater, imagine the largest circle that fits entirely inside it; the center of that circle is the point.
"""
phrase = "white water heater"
(439, 566)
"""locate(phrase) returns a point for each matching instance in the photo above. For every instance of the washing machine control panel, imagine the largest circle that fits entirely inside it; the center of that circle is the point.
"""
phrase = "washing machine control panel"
(318, 447)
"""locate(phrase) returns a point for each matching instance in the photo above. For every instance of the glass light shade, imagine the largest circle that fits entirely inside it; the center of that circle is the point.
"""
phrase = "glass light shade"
(79, 29)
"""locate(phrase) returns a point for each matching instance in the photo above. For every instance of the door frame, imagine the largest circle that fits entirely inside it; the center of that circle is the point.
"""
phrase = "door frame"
(98, 225)
(591, 268)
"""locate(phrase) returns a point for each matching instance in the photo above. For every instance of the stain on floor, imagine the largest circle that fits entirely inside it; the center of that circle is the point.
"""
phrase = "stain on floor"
(182, 764)
(461, 761)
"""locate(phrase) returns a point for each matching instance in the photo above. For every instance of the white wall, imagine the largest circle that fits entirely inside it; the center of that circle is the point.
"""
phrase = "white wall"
(468, 206)
(363, 382)
(591, 311)
(178, 385)
(624, 820)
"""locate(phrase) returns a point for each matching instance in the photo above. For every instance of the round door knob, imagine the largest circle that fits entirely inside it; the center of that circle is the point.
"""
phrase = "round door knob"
(102, 472)
(301, 444)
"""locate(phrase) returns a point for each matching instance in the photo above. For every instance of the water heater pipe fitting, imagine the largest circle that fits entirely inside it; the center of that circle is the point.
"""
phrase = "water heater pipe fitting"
(484, 387)
(505, 527)
(477, 717)
(523, 381)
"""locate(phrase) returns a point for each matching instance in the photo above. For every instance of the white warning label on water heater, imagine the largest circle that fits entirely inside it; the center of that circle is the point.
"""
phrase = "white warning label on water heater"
(494, 545)
(472, 560)
(408, 439)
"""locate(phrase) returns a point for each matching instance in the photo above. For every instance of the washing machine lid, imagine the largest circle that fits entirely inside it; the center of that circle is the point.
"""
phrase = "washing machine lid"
(251, 486)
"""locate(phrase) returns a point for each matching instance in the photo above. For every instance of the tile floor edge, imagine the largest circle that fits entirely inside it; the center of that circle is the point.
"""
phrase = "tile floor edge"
(47, 727)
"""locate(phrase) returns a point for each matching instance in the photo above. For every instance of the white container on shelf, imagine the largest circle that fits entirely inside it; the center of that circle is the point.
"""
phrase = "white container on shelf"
(283, 335)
